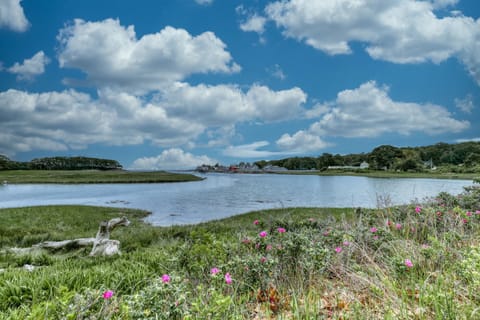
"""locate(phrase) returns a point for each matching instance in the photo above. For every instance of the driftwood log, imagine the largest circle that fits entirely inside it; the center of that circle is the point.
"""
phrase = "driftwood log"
(102, 244)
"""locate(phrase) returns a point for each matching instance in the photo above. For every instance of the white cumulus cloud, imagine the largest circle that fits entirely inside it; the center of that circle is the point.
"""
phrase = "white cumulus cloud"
(465, 104)
(12, 16)
(172, 159)
(111, 55)
(174, 117)
(301, 141)
(30, 68)
(403, 31)
(221, 105)
(250, 150)
(254, 23)
(368, 111)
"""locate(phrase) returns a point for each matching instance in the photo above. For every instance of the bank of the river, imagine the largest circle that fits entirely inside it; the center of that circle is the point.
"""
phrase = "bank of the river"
(416, 261)
(387, 174)
(92, 176)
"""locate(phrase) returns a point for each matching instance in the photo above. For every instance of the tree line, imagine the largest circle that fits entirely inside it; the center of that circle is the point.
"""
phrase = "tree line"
(459, 157)
(60, 163)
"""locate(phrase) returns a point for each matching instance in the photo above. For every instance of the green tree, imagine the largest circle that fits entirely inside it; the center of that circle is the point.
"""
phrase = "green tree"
(385, 156)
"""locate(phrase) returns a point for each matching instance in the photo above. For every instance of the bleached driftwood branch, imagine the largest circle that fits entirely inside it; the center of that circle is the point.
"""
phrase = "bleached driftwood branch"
(102, 245)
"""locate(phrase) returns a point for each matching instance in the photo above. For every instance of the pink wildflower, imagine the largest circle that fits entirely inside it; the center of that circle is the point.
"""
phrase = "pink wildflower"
(263, 234)
(408, 263)
(469, 213)
(263, 259)
(465, 221)
(375, 237)
(107, 294)
(281, 230)
(214, 271)
(373, 229)
(398, 226)
(346, 243)
(338, 249)
(477, 212)
(418, 209)
(165, 278)
(388, 223)
(268, 247)
(228, 278)
(256, 222)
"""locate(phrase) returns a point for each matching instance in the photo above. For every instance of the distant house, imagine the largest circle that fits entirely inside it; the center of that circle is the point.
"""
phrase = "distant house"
(363, 165)
(271, 168)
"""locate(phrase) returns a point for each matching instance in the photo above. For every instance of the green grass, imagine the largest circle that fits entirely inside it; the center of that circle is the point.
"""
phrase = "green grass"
(296, 274)
(92, 176)
(388, 174)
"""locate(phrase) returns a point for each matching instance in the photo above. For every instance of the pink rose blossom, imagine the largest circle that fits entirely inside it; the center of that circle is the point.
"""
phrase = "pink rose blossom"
(107, 294)
(408, 263)
(165, 278)
(228, 278)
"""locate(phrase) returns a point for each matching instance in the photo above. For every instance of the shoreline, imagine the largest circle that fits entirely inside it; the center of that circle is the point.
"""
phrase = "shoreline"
(92, 177)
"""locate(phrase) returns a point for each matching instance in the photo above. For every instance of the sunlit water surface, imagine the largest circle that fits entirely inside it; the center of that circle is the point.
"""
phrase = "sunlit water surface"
(223, 195)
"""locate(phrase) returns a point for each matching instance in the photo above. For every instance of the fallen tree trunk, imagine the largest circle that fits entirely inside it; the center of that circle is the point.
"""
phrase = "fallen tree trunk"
(102, 244)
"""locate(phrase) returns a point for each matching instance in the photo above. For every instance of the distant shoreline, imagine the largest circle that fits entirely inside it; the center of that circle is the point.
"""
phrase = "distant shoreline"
(367, 173)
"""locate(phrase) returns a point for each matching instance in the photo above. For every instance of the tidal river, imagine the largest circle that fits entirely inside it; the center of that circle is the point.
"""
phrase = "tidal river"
(223, 195)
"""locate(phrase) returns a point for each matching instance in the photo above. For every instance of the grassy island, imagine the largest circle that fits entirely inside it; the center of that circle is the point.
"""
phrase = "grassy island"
(93, 176)
(419, 261)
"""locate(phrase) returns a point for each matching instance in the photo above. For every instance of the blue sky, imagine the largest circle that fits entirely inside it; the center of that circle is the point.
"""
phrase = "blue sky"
(174, 84)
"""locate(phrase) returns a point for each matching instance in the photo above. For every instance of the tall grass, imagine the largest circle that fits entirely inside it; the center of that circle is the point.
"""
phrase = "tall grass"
(419, 261)
(92, 176)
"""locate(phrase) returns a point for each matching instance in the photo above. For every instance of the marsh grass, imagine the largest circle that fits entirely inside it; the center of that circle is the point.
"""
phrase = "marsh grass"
(93, 176)
(291, 263)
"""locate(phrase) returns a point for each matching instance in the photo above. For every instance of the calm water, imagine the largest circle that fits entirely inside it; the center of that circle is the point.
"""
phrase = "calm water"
(222, 195)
